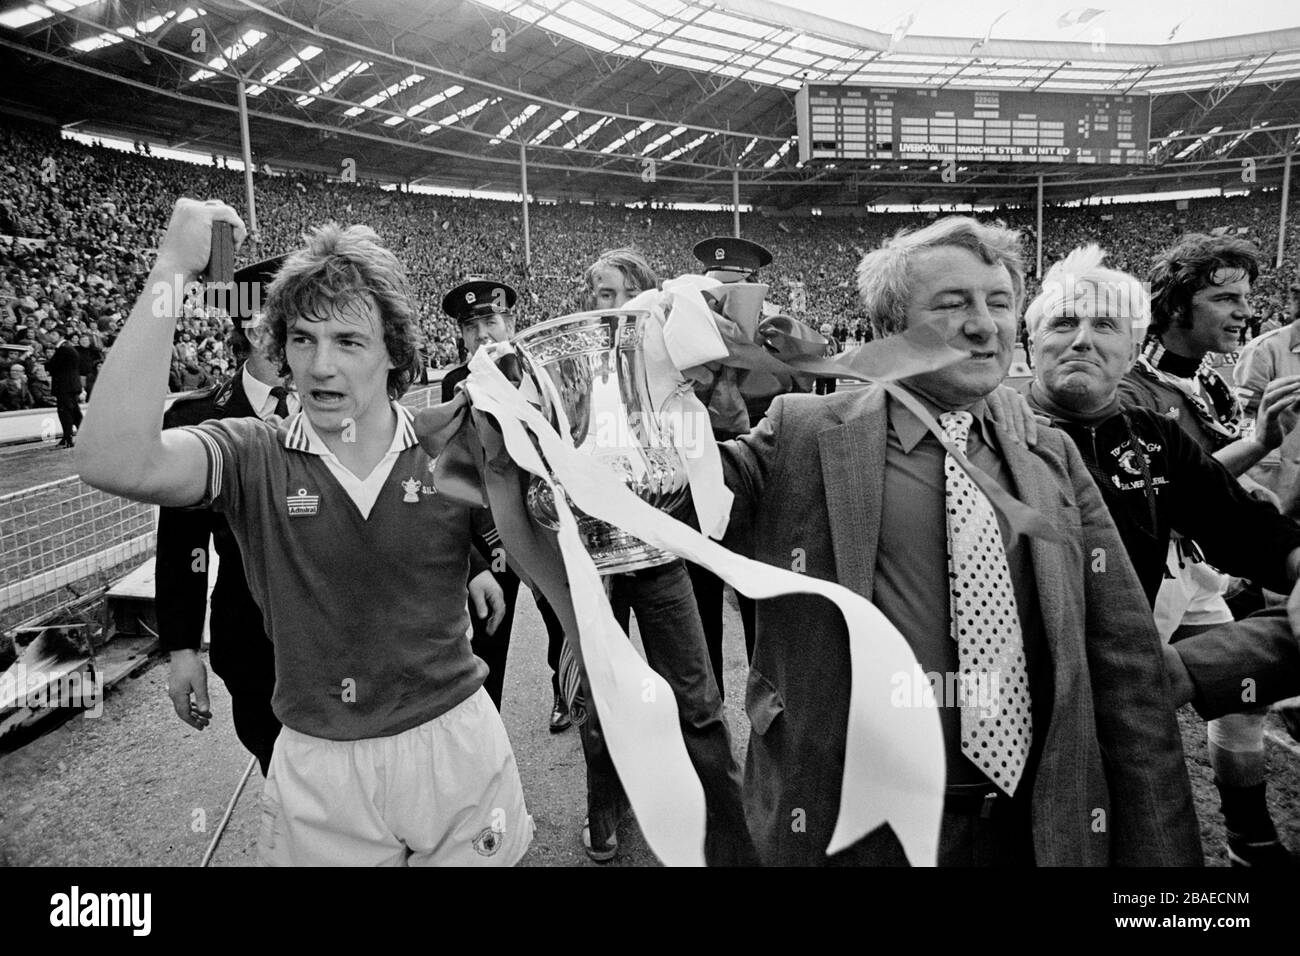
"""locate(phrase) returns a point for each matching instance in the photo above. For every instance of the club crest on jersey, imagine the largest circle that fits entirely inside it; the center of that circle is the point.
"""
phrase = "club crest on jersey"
(412, 488)
(303, 505)
(487, 842)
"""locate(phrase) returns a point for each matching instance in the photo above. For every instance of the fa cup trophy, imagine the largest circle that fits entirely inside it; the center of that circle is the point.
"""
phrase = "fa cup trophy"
(590, 372)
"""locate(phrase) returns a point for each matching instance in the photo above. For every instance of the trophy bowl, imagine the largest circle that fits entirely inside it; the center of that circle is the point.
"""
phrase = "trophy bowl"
(589, 371)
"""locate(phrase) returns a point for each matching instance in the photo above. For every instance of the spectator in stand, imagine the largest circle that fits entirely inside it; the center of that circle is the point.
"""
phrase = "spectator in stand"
(38, 381)
(14, 393)
(193, 376)
(105, 209)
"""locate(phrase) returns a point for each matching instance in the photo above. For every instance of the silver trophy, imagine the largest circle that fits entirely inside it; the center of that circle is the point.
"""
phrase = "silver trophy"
(589, 371)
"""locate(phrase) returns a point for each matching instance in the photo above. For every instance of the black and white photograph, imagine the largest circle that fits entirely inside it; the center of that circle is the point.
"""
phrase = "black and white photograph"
(623, 434)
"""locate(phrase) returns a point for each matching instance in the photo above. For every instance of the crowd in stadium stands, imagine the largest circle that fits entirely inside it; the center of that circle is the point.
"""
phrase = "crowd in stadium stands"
(82, 222)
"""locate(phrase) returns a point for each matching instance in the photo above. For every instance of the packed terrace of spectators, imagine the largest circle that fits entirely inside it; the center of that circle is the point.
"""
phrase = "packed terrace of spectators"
(95, 215)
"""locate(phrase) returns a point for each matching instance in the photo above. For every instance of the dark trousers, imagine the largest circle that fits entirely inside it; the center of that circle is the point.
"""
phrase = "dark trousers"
(746, 606)
(69, 410)
(492, 649)
(674, 645)
(825, 386)
(554, 640)
(255, 723)
(1001, 836)
(708, 588)
(246, 665)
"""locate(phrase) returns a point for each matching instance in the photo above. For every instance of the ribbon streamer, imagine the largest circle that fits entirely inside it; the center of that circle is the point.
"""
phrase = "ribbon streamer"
(915, 351)
(894, 761)
(638, 712)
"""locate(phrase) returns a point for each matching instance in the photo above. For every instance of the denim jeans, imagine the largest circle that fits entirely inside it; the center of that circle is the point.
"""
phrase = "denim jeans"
(664, 604)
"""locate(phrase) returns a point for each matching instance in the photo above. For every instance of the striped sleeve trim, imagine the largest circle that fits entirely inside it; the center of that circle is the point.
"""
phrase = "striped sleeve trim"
(295, 436)
(406, 423)
(216, 463)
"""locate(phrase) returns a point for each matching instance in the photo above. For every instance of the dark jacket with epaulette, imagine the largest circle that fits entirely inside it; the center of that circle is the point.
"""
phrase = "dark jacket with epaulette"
(240, 646)
(452, 379)
(484, 544)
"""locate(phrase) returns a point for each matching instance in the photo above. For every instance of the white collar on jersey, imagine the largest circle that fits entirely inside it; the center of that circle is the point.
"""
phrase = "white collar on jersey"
(300, 436)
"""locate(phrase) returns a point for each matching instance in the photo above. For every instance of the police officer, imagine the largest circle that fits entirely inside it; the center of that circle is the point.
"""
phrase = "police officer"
(731, 259)
(241, 652)
(728, 260)
(485, 311)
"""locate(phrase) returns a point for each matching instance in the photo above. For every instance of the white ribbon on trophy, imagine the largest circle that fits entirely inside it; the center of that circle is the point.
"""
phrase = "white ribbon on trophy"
(894, 760)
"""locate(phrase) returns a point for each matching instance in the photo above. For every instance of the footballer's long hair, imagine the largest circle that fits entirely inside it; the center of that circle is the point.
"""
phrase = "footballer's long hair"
(1188, 267)
(637, 274)
(342, 271)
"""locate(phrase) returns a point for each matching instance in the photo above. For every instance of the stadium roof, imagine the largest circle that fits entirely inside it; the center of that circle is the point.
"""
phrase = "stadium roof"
(632, 99)
(825, 41)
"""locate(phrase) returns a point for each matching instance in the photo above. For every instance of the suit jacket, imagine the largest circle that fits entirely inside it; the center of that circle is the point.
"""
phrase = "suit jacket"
(241, 652)
(64, 367)
(1260, 649)
(811, 476)
(452, 379)
(485, 537)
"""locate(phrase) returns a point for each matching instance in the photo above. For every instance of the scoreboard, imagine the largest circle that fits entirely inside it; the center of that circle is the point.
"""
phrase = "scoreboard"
(898, 123)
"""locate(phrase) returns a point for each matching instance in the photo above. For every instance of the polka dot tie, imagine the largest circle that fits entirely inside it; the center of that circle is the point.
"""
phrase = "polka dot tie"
(993, 680)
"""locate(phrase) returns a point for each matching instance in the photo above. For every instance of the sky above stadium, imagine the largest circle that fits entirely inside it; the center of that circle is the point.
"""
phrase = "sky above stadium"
(1150, 21)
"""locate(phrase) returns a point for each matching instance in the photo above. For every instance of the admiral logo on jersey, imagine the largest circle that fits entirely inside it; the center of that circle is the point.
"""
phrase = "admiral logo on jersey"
(303, 505)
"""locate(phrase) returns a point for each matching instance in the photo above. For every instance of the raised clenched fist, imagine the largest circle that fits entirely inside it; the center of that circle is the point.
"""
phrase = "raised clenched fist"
(187, 243)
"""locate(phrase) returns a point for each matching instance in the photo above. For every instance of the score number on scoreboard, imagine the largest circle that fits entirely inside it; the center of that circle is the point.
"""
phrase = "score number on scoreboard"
(842, 123)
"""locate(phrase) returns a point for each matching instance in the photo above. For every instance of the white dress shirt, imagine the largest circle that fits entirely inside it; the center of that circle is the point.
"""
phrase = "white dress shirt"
(260, 397)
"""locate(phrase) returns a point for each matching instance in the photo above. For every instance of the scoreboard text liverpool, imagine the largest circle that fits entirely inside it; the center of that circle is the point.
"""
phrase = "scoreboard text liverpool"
(842, 123)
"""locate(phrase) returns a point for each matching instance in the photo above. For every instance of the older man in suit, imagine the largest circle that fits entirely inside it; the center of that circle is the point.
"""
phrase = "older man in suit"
(1059, 632)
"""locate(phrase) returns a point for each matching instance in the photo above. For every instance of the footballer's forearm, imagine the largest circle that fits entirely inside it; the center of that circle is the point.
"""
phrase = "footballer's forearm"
(122, 448)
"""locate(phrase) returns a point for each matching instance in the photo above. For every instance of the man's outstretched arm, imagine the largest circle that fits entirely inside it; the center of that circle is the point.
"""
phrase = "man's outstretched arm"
(122, 448)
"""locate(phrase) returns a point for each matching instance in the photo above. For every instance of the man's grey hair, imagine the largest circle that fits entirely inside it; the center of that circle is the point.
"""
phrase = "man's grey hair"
(884, 276)
(1081, 284)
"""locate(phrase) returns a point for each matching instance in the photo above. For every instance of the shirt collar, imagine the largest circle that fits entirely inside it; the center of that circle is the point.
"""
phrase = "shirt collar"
(258, 392)
(910, 429)
(1295, 336)
(300, 436)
